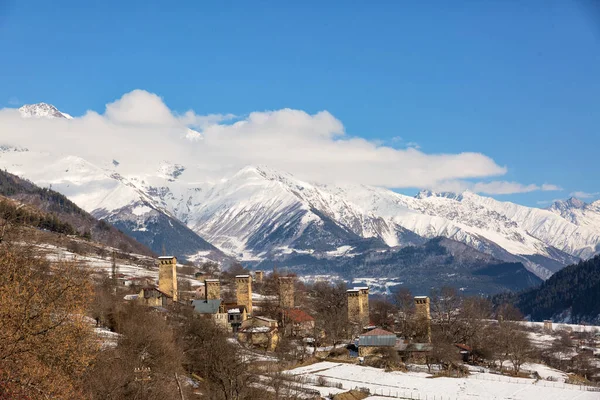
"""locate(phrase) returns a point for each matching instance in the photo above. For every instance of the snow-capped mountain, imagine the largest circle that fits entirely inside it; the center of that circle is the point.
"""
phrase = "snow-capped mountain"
(262, 214)
(578, 212)
(42, 110)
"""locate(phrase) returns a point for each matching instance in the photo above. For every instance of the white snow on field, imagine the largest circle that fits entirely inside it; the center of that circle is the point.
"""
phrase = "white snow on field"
(262, 297)
(567, 327)
(104, 264)
(419, 385)
(319, 278)
(546, 372)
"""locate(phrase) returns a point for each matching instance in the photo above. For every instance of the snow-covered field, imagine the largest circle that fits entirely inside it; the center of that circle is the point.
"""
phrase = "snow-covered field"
(97, 263)
(420, 385)
(567, 327)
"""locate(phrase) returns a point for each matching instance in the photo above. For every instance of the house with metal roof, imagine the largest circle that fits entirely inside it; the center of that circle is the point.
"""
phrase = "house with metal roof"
(229, 316)
(206, 306)
(374, 340)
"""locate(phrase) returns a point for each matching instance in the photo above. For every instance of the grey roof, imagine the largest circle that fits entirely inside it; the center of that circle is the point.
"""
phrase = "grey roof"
(206, 306)
(377, 340)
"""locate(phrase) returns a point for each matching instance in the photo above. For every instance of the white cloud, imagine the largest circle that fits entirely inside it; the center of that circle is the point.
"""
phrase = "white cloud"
(584, 195)
(547, 187)
(139, 131)
(493, 187)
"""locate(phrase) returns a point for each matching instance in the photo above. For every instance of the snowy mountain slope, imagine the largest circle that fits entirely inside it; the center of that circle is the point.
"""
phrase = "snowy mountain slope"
(483, 223)
(264, 211)
(578, 212)
(108, 195)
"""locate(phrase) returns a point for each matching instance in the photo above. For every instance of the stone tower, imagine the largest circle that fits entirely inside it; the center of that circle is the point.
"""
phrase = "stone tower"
(286, 292)
(212, 289)
(358, 306)
(167, 275)
(243, 286)
(422, 310)
(259, 276)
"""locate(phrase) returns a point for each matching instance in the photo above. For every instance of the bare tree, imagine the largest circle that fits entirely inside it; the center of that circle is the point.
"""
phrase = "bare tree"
(148, 347)
(443, 351)
(520, 349)
(45, 343)
(218, 362)
(382, 313)
(445, 309)
(406, 309)
(331, 310)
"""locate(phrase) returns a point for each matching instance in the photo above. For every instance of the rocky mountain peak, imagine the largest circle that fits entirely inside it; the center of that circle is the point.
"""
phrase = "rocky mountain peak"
(569, 204)
(42, 110)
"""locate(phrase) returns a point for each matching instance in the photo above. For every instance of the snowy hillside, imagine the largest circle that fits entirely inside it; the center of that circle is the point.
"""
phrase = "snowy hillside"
(259, 213)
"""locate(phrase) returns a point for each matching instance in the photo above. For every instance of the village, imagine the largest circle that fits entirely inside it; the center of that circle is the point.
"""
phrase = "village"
(284, 329)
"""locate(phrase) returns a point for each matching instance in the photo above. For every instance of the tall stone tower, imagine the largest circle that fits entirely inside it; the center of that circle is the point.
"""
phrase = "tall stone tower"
(212, 289)
(243, 286)
(167, 275)
(422, 310)
(358, 306)
(286, 292)
(259, 276)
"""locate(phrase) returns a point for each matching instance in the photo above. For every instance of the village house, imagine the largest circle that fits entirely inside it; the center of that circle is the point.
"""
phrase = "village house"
(376, 340)
(228, 316)
(414, 352)
(260, 332)
(298, 323)
(154, 297)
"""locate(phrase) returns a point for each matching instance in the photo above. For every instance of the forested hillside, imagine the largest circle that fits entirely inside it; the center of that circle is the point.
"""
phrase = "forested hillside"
(50, 210)
(574, 290)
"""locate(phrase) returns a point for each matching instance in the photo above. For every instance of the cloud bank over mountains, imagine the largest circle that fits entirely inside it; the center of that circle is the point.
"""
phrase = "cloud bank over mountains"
(139, 130)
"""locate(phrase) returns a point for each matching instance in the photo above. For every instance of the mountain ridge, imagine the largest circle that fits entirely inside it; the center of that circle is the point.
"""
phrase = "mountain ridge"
(259, 213)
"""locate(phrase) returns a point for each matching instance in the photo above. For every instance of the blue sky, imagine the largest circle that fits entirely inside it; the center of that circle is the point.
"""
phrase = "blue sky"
(516, 81)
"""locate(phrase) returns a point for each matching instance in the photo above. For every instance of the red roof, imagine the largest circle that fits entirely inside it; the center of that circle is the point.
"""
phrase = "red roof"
(463, 346)
(297, 315)
(378, 332)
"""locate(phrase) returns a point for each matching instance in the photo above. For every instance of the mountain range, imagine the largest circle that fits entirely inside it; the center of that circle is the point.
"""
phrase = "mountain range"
(259, 215)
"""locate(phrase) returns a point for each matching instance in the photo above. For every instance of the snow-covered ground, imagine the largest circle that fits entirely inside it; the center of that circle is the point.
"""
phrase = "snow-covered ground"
(567, 327)
(419, 385)
(98, 263)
